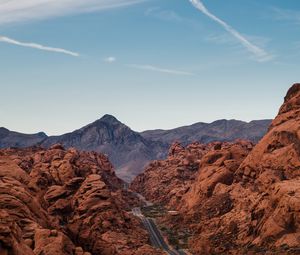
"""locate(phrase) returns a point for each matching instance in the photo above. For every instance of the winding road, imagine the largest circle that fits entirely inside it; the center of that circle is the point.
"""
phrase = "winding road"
(156, 238)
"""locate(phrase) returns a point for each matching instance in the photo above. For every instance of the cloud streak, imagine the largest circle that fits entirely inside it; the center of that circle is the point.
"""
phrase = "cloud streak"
(285, 14)
(13, 11)
(16, 11)
(37, 46)
(159, 69)
(110, 60)
(260, 54)
(167, 15)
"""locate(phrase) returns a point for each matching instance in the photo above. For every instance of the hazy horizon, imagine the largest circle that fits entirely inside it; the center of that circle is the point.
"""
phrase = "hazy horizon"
(152, 64)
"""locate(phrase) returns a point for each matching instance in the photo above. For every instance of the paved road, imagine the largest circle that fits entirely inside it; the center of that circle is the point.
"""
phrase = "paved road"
(155, 236)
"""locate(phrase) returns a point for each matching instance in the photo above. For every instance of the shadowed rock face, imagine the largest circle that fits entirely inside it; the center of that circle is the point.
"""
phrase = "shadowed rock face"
(65, 202)
(130, 151)
(240, 200)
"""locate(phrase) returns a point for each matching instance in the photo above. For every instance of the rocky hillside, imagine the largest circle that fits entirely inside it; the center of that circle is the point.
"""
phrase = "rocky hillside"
(239, 199)
(130, 151)
(65, 202)
(220, 130)
(167, 181)
(14, 139)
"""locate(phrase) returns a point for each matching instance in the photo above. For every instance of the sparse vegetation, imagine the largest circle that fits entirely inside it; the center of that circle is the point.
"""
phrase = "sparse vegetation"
(154, 211)
(178, 239)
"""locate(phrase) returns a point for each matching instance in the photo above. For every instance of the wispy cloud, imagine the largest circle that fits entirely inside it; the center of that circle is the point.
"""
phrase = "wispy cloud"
(110, 60)
(38, 46)
(285, 14)
(171, 16)
(159, 69)
(25, 10)
(259, 53)
(168, 15)
(226, 38)
(14, 11)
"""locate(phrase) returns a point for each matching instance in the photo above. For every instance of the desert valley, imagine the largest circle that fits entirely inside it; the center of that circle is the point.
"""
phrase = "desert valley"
(232, 196)
(149, 127)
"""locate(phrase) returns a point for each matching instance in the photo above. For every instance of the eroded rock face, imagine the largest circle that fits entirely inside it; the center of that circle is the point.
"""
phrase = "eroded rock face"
(58, 201)
(240, 200)
(217, 167)
(272, 168)
(168, 181)
(165, 181)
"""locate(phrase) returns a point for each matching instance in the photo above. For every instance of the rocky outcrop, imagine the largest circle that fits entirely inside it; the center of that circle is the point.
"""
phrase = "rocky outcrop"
(241, 200)
(167, 181)
(272, 170)
(58, 201)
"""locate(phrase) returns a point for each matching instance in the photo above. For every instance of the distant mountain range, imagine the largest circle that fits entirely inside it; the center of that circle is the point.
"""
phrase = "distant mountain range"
(220, 130)
(131, 151)
(14, 139)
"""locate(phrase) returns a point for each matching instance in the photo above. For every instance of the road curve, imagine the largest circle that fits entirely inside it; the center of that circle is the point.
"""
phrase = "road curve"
(156, 238)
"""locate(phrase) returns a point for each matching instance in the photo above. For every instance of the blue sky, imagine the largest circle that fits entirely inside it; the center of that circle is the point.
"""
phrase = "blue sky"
(152, 64)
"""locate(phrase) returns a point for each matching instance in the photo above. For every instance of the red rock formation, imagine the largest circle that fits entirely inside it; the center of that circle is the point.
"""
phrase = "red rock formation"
(234, 203)
(217, 167)
(68, 202)
(167, 181)
(272, 169)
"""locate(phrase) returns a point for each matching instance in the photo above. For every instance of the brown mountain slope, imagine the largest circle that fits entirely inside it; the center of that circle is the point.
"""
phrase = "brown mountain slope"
(65, 202)
(241, 204)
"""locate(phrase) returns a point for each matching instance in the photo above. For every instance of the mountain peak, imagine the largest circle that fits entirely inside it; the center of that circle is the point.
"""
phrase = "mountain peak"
(3, 129)
(109, 119)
